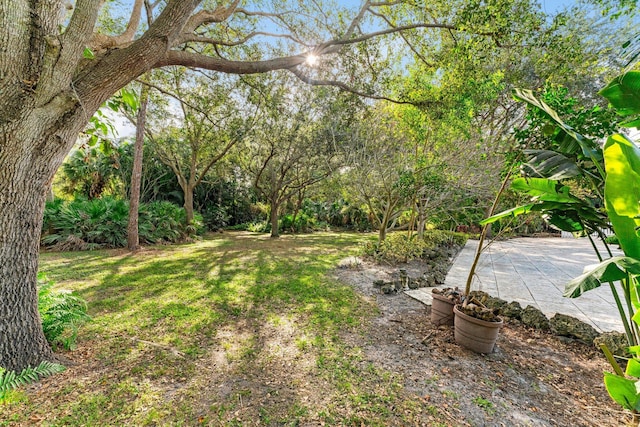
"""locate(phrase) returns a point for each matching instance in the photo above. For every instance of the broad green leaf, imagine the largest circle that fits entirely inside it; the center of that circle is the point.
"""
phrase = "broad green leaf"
(549, 164)
(544, 189)
(634, 123)
(513, 212)
(589, 148)
(622, 390)
(129, 99)
(610, 270)
(633, 368)
(623, 93)
(562, 221)
(622, 191)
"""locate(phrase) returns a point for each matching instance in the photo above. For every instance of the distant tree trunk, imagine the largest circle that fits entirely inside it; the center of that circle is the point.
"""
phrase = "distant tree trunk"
(275, 206)
(422, 217)
(296, 209)
(188, 202)
(384, 223)
(133, 240)
(382, 233)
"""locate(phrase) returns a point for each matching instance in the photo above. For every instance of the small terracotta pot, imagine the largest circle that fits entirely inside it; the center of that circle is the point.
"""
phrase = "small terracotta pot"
(475, 334)
(441, 310)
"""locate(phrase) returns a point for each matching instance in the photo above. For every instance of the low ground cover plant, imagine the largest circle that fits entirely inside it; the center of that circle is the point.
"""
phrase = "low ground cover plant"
(62, 313)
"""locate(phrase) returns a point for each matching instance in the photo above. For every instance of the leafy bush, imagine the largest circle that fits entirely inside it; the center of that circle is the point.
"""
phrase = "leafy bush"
(165, 222)
(443, 238)
(86, 224)
(61, 314)
(399, 247)
(303, 223)
(9, 380)
(612, 240)
(216, 217)
(259, 227)
(102, 223)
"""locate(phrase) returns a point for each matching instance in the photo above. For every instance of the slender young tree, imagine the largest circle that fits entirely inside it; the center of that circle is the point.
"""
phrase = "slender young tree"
(133, 240)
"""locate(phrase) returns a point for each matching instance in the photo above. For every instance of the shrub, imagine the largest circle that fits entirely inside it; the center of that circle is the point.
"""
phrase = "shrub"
(303, 223)
(61, 314)
(165, 222)
(102, 223)
(399, 247)
(86, 224)
(216, 217)
(443, 238)
(259, 227)
(612, 240)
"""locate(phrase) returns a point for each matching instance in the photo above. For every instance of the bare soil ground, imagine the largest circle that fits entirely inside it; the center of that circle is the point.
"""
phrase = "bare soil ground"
(531, 378)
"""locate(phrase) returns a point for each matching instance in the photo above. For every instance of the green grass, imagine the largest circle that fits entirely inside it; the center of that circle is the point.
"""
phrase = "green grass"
(226, 331)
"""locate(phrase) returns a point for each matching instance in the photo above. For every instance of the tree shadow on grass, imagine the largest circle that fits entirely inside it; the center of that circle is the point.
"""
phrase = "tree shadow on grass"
(251, 317)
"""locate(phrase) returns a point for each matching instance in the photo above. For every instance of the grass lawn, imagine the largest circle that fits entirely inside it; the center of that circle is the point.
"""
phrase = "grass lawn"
(237, 329)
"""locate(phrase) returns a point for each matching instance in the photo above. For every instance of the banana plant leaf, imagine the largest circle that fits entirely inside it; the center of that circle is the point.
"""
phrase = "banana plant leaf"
(624, 94)
(549, 164)
(610, 270)
(623, 391)
(589, 148)
(544, 189)
(513, 212)
(622, 191)
(559, 207)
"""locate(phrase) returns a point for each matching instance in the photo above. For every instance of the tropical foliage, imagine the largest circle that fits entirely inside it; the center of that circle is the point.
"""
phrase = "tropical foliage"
(61, 313)
(102, 223)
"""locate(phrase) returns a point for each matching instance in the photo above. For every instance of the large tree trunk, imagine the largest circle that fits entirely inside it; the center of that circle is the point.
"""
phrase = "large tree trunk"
(29, 156)
(133, 240)
(22, 342)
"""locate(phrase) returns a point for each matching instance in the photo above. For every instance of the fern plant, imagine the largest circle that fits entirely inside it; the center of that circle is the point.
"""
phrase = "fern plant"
(10, 380)
(61, 313)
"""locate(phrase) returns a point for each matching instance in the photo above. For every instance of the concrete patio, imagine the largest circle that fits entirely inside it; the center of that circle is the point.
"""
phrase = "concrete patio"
(534, 271)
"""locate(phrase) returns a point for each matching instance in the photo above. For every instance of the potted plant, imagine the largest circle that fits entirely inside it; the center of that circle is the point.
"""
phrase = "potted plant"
(476, 327)
(442, 305)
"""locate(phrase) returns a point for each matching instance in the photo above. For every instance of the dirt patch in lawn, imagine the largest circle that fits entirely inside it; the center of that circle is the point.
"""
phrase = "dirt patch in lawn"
(531, 379)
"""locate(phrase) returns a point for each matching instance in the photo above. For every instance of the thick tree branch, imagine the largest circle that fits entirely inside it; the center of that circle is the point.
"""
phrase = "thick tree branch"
(189, 59)
(106, 76)
(219, 14)
(68, 52)
(208, 40)
(132, 25)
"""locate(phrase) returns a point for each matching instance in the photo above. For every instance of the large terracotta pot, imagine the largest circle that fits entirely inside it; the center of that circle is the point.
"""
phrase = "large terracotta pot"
(475, 334)
(441, 310)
